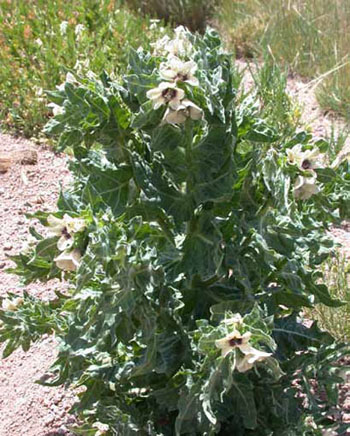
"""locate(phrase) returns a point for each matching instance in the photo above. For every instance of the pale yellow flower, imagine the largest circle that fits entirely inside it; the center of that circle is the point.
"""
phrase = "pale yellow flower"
(233, 341)
(101, 428)
(305, 187)
(65, 229)
(305, 160)
(180, 45)
(159, 45)
(181, 32)
(74, 225)
(175, 117)
(68, 260)
(166, 93)
(12, 305)
(177, 70)
(251, 356)
(186, 109)
(193, 110)
(56, 109)
(247, 355)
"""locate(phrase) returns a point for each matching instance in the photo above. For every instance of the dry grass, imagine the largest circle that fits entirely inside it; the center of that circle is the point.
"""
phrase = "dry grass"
(193, 14)
(310, 36)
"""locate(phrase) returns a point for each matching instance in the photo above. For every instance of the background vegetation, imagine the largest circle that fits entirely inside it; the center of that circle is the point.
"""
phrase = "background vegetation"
(193, 14)
(310, 36)
(40, 40)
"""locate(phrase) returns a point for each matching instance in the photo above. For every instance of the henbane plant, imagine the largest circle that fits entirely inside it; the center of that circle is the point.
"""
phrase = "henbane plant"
(192, 239)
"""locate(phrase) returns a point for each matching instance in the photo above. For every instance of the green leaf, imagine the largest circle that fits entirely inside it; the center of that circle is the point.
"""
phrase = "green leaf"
(243, 391)
(147, 117)
(202, 253)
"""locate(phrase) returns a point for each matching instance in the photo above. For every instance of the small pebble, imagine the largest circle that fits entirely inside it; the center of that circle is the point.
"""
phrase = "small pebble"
(49, 419)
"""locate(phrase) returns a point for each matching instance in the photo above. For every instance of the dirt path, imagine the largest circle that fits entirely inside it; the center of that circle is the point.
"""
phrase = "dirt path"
(26, 408)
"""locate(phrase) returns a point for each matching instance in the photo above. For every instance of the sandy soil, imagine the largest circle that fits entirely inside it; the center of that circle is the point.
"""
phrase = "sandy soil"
(26, 408)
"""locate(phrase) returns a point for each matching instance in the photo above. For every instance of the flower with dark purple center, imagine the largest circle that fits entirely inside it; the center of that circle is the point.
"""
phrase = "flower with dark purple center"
(166, 93)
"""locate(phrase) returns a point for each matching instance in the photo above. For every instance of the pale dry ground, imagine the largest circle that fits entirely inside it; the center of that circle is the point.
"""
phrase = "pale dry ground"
(26, 408)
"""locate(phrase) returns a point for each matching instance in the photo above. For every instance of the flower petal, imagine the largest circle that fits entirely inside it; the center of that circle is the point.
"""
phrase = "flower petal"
(168, 74)
(193, 81)
(195, 112)
(248, 361)
(153, 93)
(243, 364)
(158, 103)
(64, 243)
(174, 116)
(74, 225)
(305, 187)
(56, 225)
(11, 305)
(68, 260)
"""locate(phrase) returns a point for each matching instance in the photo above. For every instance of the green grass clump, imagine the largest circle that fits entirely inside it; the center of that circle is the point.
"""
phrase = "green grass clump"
(335, 320)
(270, 84)
(311, 36)
(40, 40)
